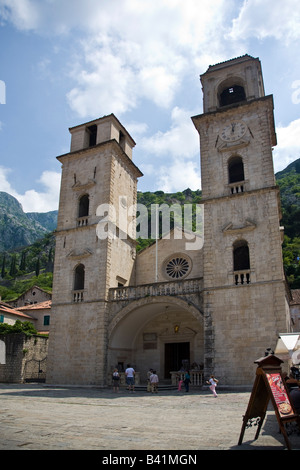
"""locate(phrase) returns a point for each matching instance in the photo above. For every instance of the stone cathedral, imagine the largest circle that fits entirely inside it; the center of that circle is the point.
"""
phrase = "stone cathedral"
(214, 309)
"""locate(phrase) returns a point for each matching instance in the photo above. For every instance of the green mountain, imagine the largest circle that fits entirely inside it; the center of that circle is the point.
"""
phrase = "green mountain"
(18, 228)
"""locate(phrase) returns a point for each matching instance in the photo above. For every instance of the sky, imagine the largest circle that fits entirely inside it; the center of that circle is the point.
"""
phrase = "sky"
(66, 62)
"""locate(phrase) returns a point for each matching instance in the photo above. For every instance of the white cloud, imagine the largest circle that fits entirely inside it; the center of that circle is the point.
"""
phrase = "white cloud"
(124, 53)
(4, 184)
(22, 13)
(181, 140)
(32, 200)
(288, 147)
(179, 175)
(178, 152)
(105, 85)
(128, 50)
(113, 74)
(187, 22)
(137, 128)
(268, 18)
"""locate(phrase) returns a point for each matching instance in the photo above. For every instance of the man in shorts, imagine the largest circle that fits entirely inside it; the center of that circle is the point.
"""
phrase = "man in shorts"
(130, 373)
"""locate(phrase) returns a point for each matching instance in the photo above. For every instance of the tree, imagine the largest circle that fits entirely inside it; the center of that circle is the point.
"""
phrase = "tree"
(25, 327)
(13, 268)
(23, 261)
(3, 267)
(37, 267)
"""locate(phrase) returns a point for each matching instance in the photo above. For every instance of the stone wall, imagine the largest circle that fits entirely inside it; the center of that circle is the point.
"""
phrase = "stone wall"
(25, 358)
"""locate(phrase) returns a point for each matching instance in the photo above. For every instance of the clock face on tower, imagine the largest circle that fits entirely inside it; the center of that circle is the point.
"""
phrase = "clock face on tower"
(233, 131)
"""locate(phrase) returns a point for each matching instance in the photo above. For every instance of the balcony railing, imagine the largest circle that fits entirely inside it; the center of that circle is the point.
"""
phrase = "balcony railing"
(188, 286)
(78, 295)
(241, 277)
(237, 187)
(82, 221)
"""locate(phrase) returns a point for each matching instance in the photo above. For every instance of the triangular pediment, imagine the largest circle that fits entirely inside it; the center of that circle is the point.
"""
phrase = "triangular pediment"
(232, 228)
(231, 146)
(77, 253)
(78, 186)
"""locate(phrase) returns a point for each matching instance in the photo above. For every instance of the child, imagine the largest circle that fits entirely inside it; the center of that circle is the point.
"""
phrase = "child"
(180, 382)
(213, 383)
(116, 380)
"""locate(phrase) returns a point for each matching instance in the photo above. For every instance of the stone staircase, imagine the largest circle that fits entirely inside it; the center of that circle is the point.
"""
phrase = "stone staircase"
(161, 386)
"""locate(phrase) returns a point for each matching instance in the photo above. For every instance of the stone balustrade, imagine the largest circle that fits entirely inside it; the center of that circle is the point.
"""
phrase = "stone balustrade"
(188, 286)
(78, 295)
(242, 277)
(196, 377)
(238, 187)
(82, 221)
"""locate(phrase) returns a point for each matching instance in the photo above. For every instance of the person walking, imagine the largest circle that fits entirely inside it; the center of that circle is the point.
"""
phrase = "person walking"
(154, 382)
(129, 374)
(149, 373)
(213, 382)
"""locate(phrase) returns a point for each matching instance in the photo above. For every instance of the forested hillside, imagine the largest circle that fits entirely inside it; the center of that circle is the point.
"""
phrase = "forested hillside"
(288, 181)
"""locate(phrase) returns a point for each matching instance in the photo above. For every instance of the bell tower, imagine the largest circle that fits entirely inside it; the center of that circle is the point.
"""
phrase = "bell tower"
(245, 304)
(95, 247)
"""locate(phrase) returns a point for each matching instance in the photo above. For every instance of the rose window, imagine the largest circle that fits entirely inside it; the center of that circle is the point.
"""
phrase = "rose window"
(177, 267)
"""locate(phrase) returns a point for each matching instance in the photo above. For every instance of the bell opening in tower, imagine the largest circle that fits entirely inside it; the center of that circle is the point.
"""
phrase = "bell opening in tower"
(232, 94)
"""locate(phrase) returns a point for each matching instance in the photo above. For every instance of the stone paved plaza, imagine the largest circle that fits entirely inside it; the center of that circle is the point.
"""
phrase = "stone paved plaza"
(38, 417)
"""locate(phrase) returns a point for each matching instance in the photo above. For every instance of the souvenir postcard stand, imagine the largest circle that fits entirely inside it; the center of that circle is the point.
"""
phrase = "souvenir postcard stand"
(269, 384)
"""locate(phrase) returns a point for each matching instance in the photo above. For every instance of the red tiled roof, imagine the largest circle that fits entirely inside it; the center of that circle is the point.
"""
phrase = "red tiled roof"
(12, 311)
(39, 306)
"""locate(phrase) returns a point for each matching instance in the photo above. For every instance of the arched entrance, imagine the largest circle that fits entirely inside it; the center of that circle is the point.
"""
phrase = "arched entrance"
(163, 333)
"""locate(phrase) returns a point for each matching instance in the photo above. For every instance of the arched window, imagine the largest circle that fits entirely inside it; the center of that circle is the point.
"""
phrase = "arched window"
(235, 169)
(241, 258)
(232, 94)
(84, 203)
(79, 277)
(241, 262)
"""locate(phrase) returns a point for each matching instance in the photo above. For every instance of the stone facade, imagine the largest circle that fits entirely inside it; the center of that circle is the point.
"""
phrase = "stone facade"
(216, 307)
